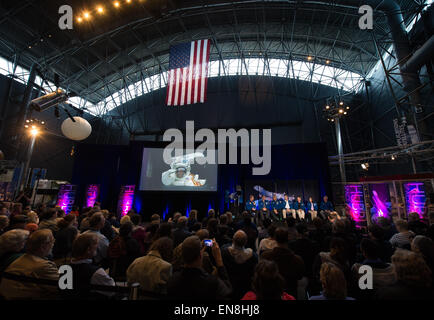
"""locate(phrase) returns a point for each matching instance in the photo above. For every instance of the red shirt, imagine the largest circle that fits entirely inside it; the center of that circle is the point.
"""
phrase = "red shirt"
(252, 296)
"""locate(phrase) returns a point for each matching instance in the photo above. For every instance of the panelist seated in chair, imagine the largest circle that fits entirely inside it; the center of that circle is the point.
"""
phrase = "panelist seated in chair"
(298, 209)
(276, 207)
(263, 208)
(286, 206)
(251, 205)
(326, 208)
(312, 208)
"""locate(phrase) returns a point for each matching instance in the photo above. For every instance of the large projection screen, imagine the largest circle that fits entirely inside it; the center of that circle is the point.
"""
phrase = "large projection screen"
(182, 174)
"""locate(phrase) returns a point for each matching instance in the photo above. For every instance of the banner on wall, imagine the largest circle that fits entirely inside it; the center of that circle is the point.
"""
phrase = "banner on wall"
(355, 201)
(66, 197)
(126, 198)
(380, 200)
(92, 194)
(415, 197)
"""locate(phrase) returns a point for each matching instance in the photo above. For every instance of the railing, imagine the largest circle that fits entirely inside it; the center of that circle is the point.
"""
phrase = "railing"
(132, 292)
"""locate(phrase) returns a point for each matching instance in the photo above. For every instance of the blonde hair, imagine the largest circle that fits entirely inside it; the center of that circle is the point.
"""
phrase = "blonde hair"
(33, 217)
(125, 219)
(13, 240)
(411, 268)
(333, 281)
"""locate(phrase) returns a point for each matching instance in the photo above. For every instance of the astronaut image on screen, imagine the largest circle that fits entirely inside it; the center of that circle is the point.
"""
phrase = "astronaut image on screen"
(179, 173)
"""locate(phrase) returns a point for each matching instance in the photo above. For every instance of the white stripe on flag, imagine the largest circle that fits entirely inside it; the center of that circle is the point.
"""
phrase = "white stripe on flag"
(175, 103)
(170, 83)
(196, 71)
(183, 83)
(203, 74)
(190, 72)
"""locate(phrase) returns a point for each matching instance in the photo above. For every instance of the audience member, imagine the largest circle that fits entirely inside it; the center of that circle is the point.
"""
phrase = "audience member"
(11, 247)
(268, 283)
(414, 278)
(333, 282)
(192, 282)
(96, 223)
(35, 265)
(154, 270)
(403, 238)
(291, 266)
(240, 263)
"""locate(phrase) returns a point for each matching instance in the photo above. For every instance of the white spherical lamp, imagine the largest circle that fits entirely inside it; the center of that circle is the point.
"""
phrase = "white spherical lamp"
(78, 130)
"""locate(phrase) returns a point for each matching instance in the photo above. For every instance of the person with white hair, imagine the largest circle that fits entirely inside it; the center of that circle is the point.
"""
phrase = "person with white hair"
(11, 246)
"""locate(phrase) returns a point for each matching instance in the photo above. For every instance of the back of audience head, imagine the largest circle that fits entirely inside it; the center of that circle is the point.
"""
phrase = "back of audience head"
(281, 236)
(191, 251)
(85, 246)
(333, 282)
(164, 246)
(155, 219)
(40, 243)
(239, 239)
(66, 221)
(126, 229)
(411, 269)
(13, 240)
(424, 246)
(182, 222)
(413, 216)
(268, 283)
(96, 222)
(125, 219)
(401, 225)
(202, 234)
(176, 216)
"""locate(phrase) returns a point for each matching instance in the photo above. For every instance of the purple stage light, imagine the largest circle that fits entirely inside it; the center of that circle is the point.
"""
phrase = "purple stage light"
(66, 197)
(415, 197)
(126, 198)
(355, 201)
(92, 194)
(380, 200)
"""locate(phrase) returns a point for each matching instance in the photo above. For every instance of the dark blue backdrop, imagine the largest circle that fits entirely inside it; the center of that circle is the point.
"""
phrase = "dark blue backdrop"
(114, 166)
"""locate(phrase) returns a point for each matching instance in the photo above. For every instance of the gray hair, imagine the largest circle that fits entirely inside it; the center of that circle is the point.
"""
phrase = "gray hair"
(13, 240)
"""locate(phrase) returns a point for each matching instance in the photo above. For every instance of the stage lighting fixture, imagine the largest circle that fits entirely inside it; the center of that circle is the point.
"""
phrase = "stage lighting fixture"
(365, 166)
(86, 15)
(79, 19)
(392, 157)
(341, 103)
(100, 9)
(327, 61)
(116, 4)
(341, 110)
(34, 132)
(327, 107)
(309, 58)
(128, 1)
(49, 100)
(345, 113)
(348, 108)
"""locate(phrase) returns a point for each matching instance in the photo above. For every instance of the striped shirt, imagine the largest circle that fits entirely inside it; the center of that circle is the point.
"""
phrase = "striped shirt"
(402, 239)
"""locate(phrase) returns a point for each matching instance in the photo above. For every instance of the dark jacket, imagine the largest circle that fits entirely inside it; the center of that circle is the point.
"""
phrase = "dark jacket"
(196, 284)
(241, 267)
(291, 266)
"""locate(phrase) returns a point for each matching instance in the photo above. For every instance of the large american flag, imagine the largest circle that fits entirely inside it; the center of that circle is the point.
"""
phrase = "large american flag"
(188, 73)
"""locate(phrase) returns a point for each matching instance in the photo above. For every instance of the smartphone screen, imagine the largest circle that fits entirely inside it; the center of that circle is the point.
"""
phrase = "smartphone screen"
(208, 242)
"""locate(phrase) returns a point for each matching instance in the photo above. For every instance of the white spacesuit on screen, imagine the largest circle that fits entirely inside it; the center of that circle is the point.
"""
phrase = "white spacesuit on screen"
(179, 172)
